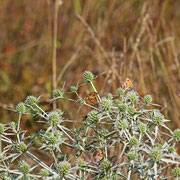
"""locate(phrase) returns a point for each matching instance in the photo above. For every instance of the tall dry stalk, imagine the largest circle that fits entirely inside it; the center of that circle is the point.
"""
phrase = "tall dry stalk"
(54, 59)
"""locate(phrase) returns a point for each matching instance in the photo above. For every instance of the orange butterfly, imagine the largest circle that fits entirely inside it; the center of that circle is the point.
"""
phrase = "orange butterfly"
(128, 84)
(92, 99)
(99, 156)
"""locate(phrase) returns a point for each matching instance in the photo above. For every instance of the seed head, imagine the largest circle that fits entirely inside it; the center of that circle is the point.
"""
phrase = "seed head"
(20, 108)
(132, 156)
(64, 168)
(44, 173)
(109, 96)
(156, 155)
(132, 97)
(122, 107)
(81, 163)
(31, 100)
(142, 128)
(24, 167)
(106, 104)
(120, 91)
(21, 147)
(131, 110)
(54, 118)
(93, 116)
(104, 133)
(176, 172)
(12, 125)
(58, 93)
(122, 125)
(176, 135)
(88, 76)
(106, 166)
(52, 139)
(133, 141)
(59, 112)
(171, 149)
(148, 99)
(158, 146)
(157, 117)
(1, 129)
(74, 89)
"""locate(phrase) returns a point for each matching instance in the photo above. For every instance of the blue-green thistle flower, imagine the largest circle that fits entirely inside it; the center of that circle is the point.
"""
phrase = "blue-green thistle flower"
(1, 129)
(122, 107)
(122, 125)
(120, 91)
(58, 135)
(54, 118)
(64, 168)
(58, 93)
(24, 167)
(44, 173)
(157, 117)
(117, 102)
(88, 76)
(109, 96)
(59, 112)
(156, 155)
(148, 99)
(171, 149)
(176, 135)
(131, 156)
(132, 97)
(103, 133)
(158, 146)
(31, 100)
(93, 116)
(106, 165)
(20, 108)
(74, 89)
(106, 104)
(131, 110)
(133, 141)
(176, 172)
(21, 147)
(52, 139)
(142, 128)
(81, 163)
(12, 125)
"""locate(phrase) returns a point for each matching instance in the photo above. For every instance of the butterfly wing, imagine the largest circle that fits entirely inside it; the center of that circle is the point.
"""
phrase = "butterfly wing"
(129, 84)
(92, 99)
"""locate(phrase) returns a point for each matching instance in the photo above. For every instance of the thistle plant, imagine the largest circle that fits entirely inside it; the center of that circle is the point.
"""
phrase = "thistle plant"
(123, 136)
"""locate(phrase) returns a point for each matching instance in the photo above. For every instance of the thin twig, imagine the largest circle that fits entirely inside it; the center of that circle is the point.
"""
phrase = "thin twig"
(7, 106)
(73, 57)
(96, 40)
(41, 163)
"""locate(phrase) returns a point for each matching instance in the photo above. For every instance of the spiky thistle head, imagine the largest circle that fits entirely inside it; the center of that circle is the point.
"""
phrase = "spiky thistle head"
(88, 76)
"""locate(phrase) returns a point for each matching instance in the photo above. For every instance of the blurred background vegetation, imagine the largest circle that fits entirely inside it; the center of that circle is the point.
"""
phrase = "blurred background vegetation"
(138, 39)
